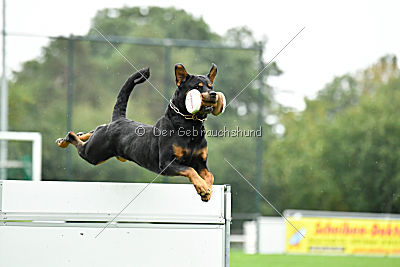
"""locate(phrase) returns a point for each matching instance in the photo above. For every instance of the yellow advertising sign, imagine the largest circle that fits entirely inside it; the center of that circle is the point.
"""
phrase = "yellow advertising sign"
(343, 236)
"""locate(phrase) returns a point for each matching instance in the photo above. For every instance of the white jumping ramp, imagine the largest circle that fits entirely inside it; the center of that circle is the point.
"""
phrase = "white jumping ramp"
(56, 224)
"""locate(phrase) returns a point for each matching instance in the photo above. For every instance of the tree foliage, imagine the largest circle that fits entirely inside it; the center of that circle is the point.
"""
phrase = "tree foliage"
(342, 152)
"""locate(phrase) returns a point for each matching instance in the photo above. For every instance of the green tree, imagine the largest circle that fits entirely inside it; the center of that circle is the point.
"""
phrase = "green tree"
(341, 152)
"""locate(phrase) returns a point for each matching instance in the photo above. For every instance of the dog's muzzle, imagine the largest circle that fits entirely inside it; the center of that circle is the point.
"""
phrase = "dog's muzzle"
(215, 102)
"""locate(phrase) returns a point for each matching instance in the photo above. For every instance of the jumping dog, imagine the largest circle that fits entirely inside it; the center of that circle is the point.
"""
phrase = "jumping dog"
(158, 148)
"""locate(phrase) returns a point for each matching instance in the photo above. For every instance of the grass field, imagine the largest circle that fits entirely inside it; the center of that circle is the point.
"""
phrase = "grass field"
(239, 259)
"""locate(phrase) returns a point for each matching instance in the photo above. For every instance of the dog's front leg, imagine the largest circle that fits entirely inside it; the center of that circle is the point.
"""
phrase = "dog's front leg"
(174, 169)
(202, 187)
(209, 178)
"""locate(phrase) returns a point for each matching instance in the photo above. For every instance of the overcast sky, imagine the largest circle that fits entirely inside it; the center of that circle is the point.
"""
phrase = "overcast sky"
(339, 36)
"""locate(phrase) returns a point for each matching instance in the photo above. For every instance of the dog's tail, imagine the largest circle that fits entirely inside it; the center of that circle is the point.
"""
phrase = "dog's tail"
(123, 95)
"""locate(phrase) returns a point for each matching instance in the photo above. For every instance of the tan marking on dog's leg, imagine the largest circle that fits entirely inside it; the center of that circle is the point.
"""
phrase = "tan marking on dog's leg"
(74, 139)
(121, 159)
(209, 178)
(85, 137)
(62, 143)
(201, 186)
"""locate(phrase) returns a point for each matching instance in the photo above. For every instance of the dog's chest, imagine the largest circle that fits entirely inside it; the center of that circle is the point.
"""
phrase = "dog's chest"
(186, 153)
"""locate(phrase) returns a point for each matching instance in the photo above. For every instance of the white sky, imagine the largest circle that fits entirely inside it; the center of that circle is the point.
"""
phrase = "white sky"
(340, 36)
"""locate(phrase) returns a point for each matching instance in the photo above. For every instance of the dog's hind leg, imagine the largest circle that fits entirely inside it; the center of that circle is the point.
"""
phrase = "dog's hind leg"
(84, 136)
(63, 143)
(93, 150)
(71, 138)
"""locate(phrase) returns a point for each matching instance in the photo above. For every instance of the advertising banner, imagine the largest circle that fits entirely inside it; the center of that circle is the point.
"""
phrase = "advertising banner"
(343, 236)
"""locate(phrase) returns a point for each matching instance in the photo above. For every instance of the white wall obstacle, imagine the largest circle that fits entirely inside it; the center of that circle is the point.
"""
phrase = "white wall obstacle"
(265, 235)
(55, 224)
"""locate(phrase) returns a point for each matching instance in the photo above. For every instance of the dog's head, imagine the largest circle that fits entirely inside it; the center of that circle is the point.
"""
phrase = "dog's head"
(203, 84)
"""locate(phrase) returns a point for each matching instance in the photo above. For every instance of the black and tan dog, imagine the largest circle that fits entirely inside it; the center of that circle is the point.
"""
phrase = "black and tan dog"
(175, 145)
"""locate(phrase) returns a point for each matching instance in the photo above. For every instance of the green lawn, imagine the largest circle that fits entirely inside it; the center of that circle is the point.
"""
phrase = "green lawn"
(239, 259)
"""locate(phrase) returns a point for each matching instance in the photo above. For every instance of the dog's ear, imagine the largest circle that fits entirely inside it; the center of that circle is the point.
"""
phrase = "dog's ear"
(213, 72)
(180, 74)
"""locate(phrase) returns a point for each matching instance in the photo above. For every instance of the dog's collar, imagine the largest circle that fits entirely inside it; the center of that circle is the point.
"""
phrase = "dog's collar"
(188, 117)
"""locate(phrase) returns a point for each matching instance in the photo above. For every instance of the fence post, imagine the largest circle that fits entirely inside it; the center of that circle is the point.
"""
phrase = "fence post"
(167, 90)
(259, 140)
(4, 102)
(70, 98)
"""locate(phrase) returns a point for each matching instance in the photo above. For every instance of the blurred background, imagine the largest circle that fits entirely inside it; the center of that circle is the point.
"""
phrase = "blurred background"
(328, 104)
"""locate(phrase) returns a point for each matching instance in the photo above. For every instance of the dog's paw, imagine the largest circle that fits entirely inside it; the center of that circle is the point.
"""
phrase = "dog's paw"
(64, 142)
(203, 189)
(206, 197)
(61, 142)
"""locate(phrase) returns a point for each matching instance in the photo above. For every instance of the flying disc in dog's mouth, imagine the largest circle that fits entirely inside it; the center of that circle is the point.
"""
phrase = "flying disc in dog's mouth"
(195, 101)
